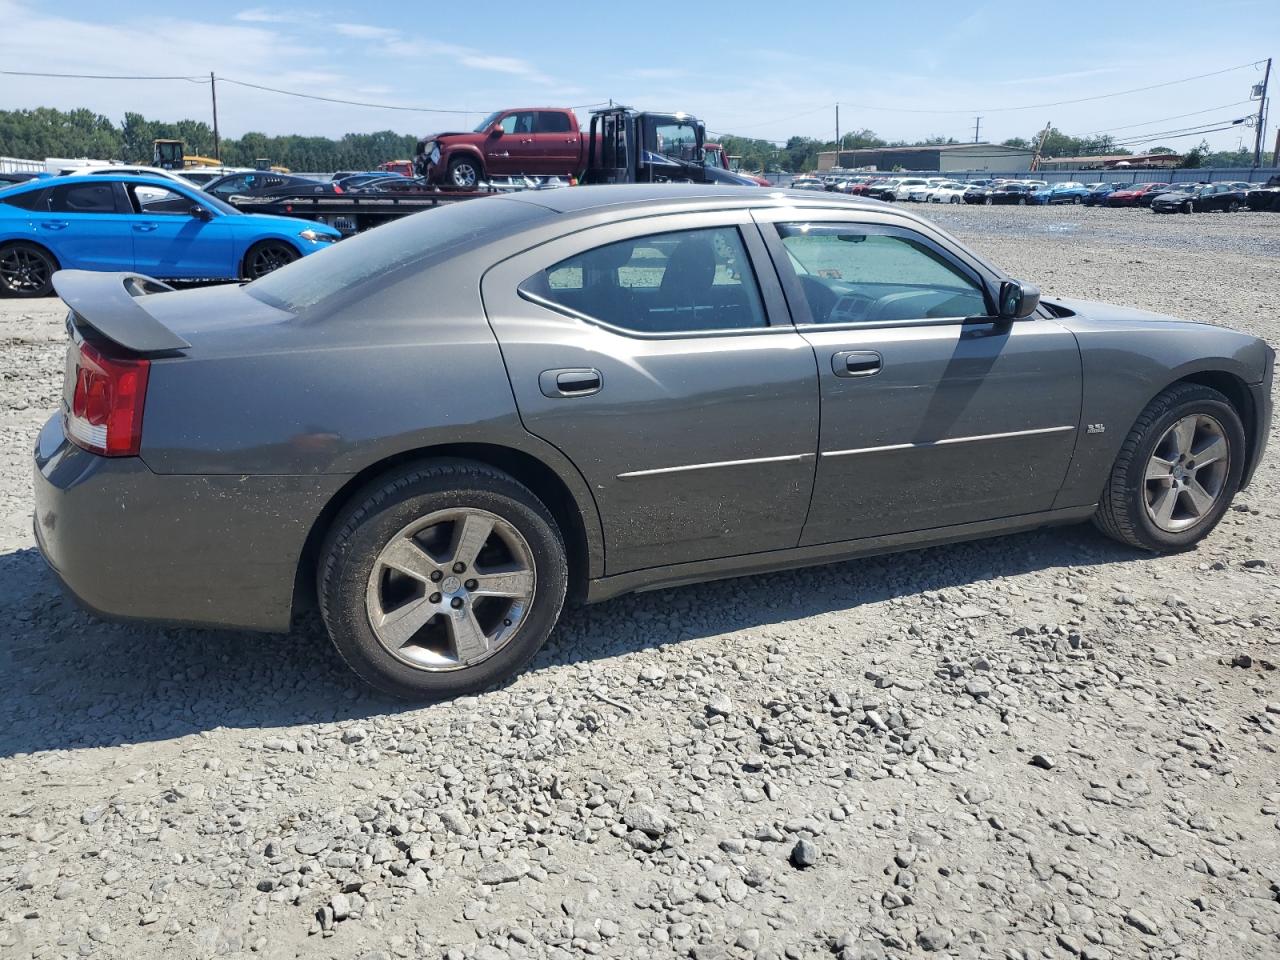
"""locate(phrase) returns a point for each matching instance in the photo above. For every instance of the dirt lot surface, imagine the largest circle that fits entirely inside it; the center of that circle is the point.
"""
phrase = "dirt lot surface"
(1044, 745)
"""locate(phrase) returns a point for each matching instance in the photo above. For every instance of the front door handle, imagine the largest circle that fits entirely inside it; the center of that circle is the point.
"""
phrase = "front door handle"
(145, 227)
(570, 382)
(856, 363)
(55, 224)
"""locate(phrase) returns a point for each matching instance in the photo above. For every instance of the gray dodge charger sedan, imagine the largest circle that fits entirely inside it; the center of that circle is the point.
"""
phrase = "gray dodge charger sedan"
(441, 429)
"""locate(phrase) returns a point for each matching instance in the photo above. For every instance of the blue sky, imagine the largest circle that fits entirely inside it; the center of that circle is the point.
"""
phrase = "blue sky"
(757, 69)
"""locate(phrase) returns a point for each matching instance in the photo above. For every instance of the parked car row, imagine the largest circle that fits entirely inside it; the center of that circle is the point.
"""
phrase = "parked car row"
(1186, 197)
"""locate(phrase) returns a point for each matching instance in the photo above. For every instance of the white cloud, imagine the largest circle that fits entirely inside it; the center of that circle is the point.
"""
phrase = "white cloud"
(364, 31)
(260, 15)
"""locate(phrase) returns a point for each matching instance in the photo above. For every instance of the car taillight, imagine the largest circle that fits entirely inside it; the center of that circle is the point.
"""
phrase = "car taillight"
(106, 403)
(337, 188)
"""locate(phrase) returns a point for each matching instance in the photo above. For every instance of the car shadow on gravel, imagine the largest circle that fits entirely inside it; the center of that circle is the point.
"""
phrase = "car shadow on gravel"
(74, 681)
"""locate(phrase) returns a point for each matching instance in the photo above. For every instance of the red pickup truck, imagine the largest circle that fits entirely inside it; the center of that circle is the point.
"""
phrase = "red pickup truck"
(532, 140)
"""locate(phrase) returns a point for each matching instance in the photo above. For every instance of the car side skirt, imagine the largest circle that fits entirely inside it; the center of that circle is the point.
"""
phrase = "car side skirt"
(655, 578)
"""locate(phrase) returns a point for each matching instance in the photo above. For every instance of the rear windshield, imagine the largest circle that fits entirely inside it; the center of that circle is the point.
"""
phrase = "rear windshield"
(374, 254)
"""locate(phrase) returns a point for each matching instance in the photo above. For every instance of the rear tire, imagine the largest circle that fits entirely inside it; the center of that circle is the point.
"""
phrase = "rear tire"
(1131, 504)
(426, 645)
(26, 270)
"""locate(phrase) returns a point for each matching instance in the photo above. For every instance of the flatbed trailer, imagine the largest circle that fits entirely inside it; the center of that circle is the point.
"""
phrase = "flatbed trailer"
(356, 213)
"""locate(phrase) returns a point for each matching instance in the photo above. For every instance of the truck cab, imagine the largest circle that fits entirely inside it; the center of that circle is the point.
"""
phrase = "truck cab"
(628, 146)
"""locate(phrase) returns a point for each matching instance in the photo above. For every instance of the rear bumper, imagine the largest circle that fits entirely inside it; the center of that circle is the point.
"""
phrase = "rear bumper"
(131, 544)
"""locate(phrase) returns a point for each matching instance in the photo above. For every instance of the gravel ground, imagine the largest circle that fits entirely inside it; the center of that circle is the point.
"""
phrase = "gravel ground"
(1043, 745)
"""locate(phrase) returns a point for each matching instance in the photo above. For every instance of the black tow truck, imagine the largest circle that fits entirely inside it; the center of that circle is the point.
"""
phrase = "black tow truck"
(624, 146)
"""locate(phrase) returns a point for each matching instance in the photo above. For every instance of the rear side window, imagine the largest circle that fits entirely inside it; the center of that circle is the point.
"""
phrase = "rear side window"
(686, 281)
(26, 200)
(83, 198)
(551, 121)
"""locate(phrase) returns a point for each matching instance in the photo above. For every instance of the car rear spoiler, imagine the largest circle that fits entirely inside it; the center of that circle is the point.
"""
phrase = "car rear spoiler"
(109, 303)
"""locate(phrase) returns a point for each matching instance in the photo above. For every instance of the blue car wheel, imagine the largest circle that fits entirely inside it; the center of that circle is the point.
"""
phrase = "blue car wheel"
(26, 270)
(267, 256)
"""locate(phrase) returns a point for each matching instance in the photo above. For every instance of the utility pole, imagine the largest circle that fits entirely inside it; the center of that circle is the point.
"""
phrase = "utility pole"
(213, 93)
(1275, 157)
(1262, 117)
(837, 134)
(977, 126)
(1044, 135)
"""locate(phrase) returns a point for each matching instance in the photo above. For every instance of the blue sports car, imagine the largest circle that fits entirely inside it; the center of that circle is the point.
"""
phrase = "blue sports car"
(1060, 193)
(130, 223)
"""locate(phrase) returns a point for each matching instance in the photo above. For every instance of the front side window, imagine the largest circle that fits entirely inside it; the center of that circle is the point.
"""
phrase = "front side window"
(858, 274)
(160, 201)
(518, 123)
(686, 281)
(83, 198)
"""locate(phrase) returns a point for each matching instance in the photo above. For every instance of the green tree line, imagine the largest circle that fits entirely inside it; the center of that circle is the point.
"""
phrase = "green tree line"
(45, 132)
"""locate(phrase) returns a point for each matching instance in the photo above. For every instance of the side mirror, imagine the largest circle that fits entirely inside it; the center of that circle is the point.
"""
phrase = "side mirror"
(1018, 300)
(200, 212)
(495, 130)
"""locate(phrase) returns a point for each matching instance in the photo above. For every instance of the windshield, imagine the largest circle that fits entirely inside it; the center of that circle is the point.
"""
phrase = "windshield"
(216, 203)
(372, 257)
(487, 122)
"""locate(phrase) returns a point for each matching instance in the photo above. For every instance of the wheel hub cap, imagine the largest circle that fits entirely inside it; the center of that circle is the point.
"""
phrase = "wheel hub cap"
(1187, 473)
(450, 589)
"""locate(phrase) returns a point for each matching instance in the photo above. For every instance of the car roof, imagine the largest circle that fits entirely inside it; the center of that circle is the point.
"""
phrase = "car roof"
(695, 196)
(667, 198)
(45, 182)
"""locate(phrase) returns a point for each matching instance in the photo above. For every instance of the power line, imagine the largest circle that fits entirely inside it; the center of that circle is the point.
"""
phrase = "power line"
(258, 86)
(1061, 103)
(1147, 123)
(96, 76)
(1178, 134)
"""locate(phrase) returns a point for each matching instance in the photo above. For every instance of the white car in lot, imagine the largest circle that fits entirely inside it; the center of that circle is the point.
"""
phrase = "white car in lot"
(949, 191)
(121, 169)
(911, 188)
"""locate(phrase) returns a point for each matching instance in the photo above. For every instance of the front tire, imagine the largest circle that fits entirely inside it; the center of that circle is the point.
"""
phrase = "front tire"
(442, 579)
(1177, 471)
(267, 256)
(465, 173)
(26, 270)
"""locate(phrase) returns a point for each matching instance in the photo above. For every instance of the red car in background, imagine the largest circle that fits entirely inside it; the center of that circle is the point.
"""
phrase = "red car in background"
(402, 167)
(1138, 195)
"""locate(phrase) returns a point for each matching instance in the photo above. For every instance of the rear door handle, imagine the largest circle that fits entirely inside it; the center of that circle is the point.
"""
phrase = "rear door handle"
(856, 363)
(570, 382)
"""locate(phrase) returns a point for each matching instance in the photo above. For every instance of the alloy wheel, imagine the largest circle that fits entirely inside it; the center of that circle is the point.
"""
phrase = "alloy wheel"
(1187, 473)
(24, 271)
(269, 257)
(451, 589)
(465, 175)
